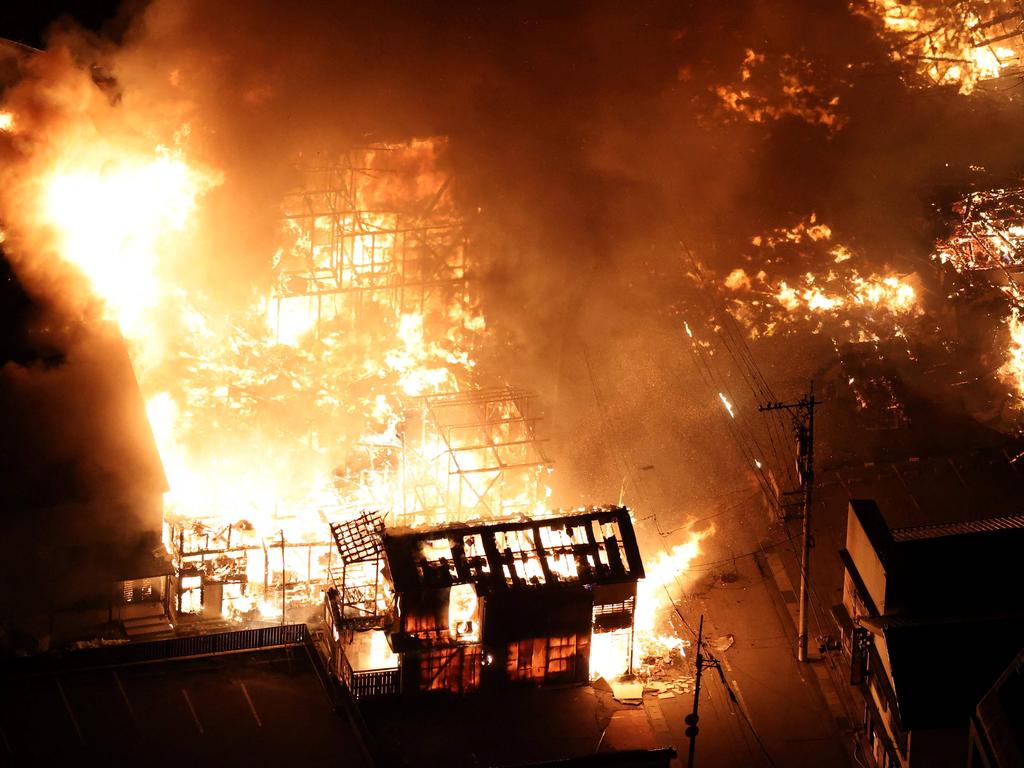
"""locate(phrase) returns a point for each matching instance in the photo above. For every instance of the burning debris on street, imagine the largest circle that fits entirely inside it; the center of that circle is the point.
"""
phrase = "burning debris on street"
(511, 367)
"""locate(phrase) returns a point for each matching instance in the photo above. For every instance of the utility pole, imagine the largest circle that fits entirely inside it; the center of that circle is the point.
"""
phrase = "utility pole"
(691, 719)
(802, 413)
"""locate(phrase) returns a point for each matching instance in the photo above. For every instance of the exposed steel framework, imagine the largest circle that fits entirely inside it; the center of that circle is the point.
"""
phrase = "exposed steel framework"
(227, 570)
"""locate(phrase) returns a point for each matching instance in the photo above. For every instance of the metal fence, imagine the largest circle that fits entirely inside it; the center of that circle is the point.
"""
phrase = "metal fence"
(164, 650)
(378, 682)
(368, 683)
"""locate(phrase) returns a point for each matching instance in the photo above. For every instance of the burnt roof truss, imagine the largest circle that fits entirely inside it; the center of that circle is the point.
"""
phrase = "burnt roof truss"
(359, 540)
(594, 546)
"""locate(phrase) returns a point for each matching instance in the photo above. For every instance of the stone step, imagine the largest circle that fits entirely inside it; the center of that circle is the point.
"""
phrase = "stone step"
(148, 625)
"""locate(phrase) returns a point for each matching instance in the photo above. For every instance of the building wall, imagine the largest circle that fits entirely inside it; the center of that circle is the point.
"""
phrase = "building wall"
(866, 558)
(939, 748)
(81, 485)
(528, 636)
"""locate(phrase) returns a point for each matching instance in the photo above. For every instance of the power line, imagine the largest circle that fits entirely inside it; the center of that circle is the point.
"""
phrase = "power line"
(731, 339)
(629, 472)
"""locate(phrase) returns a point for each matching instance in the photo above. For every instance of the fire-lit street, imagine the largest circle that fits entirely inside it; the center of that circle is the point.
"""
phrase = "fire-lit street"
(504, 385)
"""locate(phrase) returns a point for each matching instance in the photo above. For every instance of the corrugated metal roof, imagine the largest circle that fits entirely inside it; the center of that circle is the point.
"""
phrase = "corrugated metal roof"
(936, 530)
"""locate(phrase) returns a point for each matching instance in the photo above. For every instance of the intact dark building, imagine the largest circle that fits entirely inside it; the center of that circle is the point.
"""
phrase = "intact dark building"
(932, 618)
(997, 727)
(81, 497)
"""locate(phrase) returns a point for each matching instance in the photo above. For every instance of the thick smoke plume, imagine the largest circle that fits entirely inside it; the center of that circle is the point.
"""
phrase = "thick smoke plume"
(587, 142)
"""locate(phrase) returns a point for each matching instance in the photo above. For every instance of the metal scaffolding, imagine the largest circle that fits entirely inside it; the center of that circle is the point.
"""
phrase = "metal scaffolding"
(361, 593)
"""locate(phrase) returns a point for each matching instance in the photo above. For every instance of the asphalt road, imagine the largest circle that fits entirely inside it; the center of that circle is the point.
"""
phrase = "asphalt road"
(637, 419)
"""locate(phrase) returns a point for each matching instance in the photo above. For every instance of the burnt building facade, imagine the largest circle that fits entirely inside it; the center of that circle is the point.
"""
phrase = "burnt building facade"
(477, 605)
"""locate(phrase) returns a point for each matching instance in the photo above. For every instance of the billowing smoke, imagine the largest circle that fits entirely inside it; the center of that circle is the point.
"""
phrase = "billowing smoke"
(587, 141)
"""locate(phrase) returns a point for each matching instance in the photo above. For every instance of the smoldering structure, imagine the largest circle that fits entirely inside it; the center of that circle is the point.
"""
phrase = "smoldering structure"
(464, 606)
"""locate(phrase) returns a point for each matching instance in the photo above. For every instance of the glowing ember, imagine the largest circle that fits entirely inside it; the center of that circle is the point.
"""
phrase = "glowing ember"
(891, 294)
(809, 229)
(727, 404)
(6, 121)
(779, 88)
(834, 289)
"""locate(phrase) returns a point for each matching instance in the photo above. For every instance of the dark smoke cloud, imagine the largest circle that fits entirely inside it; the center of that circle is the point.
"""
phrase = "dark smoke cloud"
(586, 142)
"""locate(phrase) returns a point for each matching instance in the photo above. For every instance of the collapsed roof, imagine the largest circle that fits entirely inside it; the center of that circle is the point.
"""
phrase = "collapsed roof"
(586, 547)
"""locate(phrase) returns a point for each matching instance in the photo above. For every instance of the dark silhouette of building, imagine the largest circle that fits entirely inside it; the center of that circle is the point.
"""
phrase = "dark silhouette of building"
(997, 728)
(933, 616)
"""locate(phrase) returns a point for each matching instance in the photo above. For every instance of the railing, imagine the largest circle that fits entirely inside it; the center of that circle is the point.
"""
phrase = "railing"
(368, 683)
(164, 650)
(374, 682)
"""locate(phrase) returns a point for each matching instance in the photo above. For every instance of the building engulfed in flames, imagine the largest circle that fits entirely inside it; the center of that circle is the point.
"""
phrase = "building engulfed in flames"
(968, 44)
(340, 412)
(465, 605)
(373, 252)
(985, 249)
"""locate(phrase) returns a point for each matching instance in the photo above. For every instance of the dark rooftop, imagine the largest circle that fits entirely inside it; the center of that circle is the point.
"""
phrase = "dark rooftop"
(935, 570)
(255, 707)
(932, 687)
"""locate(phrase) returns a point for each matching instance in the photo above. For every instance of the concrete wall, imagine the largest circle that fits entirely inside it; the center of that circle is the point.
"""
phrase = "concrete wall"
(866, 559)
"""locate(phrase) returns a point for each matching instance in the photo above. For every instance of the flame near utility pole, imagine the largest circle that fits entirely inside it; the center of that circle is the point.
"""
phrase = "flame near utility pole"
(802, 413)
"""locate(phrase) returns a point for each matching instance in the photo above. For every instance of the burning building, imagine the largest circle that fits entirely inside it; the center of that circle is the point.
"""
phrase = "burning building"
(470, 605)
(966, 44)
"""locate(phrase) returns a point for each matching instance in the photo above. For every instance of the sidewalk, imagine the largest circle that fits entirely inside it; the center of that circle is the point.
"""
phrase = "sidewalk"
(829, 668)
